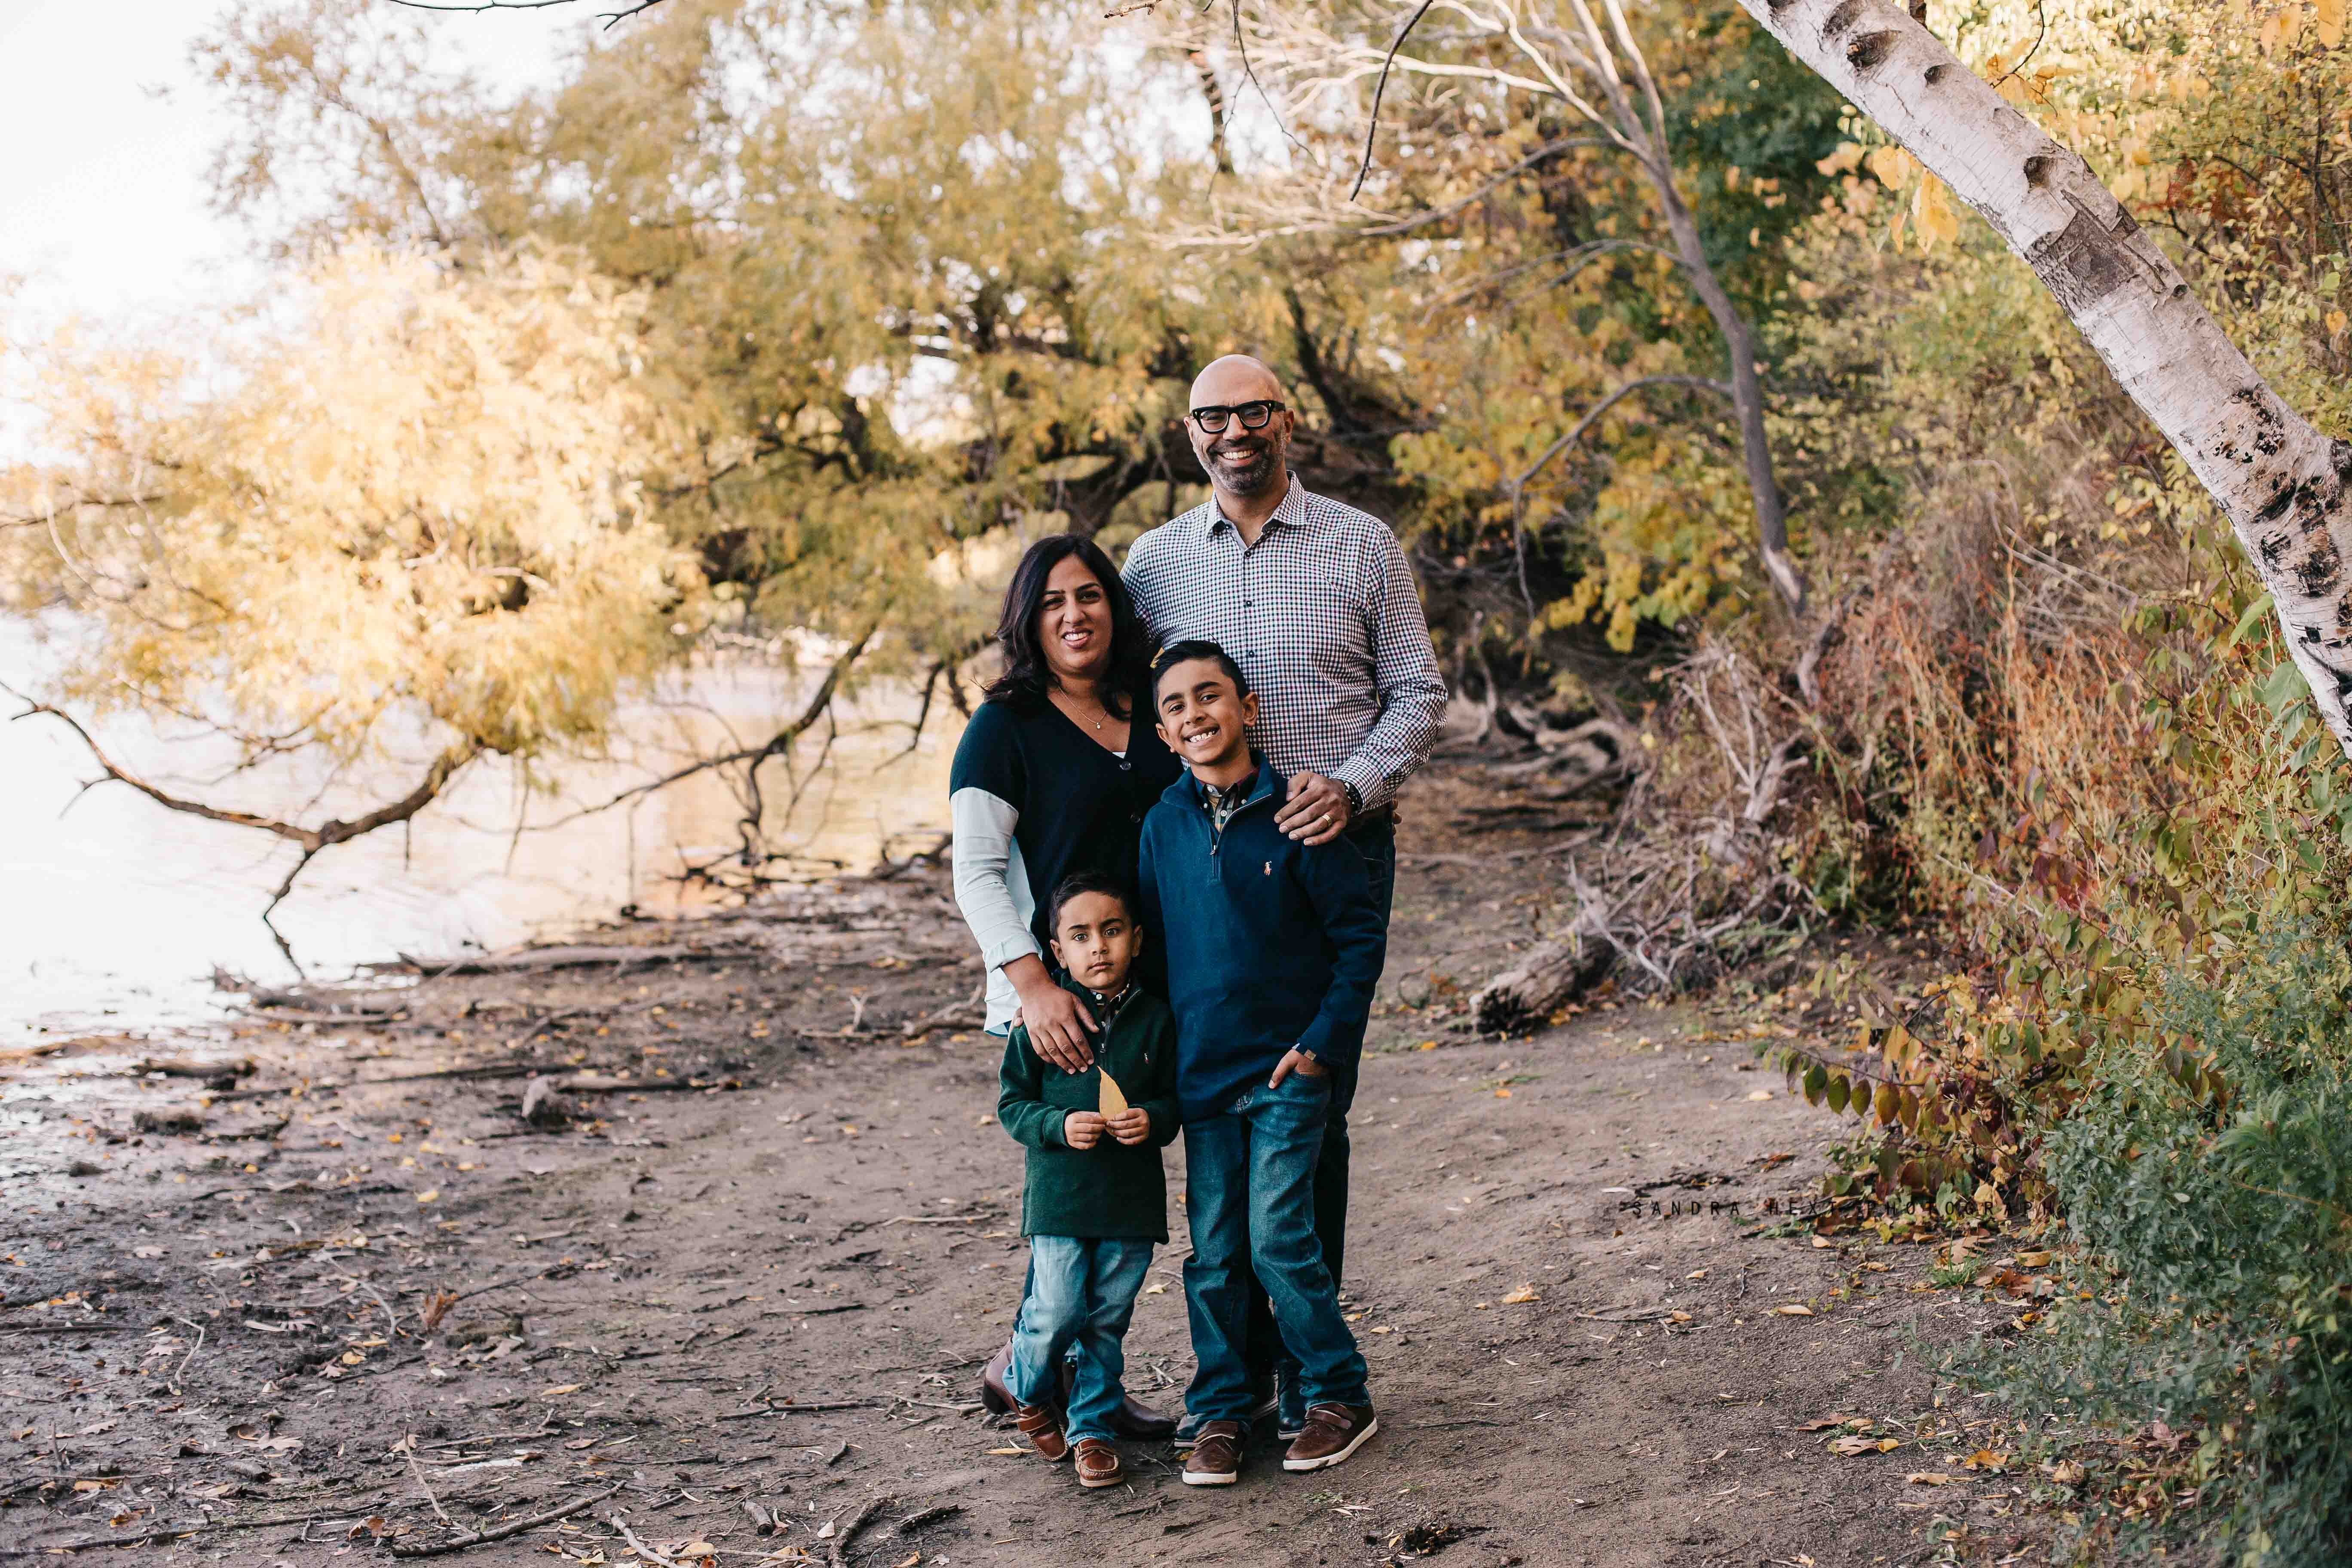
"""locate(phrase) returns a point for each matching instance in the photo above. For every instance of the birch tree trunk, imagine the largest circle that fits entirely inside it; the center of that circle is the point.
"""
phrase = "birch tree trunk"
(2285, 487)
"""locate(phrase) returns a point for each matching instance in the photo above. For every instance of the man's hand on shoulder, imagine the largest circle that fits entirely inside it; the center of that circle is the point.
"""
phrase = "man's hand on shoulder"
(1318, 811)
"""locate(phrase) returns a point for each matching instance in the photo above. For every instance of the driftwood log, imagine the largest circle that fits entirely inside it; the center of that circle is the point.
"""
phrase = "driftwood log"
(1550, 976)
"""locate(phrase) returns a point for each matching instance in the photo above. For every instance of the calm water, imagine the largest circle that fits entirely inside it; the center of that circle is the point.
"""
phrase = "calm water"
(116, 910)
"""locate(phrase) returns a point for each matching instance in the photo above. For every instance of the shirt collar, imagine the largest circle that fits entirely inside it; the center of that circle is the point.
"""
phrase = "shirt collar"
(1291, 513)
(1109, 1007)
(1240, 793)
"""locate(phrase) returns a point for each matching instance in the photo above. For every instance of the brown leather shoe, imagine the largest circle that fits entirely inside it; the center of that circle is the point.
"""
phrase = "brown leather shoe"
(1333, 1433)
(1043, 1427)
(1098, 1463)
(1138, 1423)
(1133, 1420)
(1216, 1456)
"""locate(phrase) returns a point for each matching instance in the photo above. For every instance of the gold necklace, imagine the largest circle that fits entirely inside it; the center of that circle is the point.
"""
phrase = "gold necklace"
(1099, 723)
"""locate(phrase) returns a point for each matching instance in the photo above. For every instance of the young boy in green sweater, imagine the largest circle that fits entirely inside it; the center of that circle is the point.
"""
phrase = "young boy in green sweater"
(1093, 1201)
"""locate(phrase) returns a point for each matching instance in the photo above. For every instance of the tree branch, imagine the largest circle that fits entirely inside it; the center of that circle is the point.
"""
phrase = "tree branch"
(308, 840)
(1373, 129)
(1700, 383)
(782, 739)
(610, 18)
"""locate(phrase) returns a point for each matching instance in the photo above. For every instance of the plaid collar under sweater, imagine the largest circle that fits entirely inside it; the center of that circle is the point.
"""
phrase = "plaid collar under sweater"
(1221, 803)
(1109, 1007)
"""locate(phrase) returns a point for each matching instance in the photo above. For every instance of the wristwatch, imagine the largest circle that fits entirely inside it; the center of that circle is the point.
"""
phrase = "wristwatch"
(1355, 800)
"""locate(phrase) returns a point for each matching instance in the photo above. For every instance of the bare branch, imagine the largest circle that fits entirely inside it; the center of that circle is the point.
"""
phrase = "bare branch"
(781, 740)
(1373, 129)
(310, 840)
(1700, 383)
(610, 18)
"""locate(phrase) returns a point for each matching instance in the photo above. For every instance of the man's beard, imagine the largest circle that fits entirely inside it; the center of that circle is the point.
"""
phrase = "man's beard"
(1255, 475)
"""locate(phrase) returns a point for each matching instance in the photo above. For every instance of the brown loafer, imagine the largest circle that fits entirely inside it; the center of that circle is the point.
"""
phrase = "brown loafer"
(1138, 1423)
(1216, 1456)
(1098, 1463)
(1043, 1427)
(1333, 1432)
(1133, 1420)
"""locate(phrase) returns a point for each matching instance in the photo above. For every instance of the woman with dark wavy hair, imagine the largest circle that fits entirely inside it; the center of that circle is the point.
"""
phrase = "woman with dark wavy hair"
(1053, 776)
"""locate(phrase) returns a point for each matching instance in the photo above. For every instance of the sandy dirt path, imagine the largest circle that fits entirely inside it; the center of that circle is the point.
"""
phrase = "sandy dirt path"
(757, 1307)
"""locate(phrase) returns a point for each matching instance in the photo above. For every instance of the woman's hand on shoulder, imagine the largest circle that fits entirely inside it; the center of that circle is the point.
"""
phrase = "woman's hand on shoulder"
(1058, 1021)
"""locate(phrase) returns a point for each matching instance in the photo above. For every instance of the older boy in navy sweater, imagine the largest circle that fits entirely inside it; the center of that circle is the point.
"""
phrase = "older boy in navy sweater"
(1273, 948)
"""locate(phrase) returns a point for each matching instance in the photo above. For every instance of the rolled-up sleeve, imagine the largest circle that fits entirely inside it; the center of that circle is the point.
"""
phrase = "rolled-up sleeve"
(997, 911)
(987, 786)
(1404, 668)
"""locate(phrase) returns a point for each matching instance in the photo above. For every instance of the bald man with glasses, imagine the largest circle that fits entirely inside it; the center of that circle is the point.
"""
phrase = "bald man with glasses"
(1313, 598)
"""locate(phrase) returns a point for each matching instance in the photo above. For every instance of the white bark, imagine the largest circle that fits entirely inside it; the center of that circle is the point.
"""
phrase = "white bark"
(2285, 487)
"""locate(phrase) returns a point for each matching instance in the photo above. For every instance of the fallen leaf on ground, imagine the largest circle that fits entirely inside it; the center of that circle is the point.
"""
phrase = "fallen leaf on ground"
(1794, 1309)
(428, 1195)
(1695, 1274)
(1853, 1446)
(1678, 1317)
(2033, 1259)
(559, 1390)
(2066, 1472)
(1824, 1424)
(1521, 1296)
(1823, 1242)
(1985, 1459)
(1760, 1094)
(1001, 1453)
(1930, 1478)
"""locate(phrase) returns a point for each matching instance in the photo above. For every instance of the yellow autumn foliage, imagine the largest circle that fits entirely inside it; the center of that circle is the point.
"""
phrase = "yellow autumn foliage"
(407, 503)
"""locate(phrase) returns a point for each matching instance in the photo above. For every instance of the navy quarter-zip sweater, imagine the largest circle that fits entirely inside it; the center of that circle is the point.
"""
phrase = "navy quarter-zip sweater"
(1270, 944)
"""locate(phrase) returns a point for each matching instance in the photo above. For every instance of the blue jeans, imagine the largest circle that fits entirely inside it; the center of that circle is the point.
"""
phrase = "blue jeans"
(1250, 1194)
(1377, 844)
(1080, 1295)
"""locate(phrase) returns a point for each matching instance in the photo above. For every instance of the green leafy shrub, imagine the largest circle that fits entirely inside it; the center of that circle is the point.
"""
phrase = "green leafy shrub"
(2215, 1209)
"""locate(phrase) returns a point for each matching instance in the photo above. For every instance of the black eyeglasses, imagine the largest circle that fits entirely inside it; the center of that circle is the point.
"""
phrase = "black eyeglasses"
(1252, 415)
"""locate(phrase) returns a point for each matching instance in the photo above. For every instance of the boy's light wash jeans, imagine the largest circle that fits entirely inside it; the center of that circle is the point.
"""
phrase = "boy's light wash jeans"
(1250, 1194)
(1080, 1295)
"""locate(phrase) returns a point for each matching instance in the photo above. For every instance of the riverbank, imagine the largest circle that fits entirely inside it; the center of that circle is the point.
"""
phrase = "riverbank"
(742, 1290)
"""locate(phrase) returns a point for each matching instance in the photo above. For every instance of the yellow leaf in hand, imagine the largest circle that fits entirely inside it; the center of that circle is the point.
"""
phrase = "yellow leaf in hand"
(1114, 1103)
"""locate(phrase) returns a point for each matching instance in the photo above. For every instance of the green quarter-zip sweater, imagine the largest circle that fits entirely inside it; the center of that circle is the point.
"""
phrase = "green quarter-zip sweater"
(1111, 1189)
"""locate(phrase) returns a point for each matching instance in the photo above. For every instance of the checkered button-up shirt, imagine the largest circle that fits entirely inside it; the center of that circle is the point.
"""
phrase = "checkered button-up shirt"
(1322, 616)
